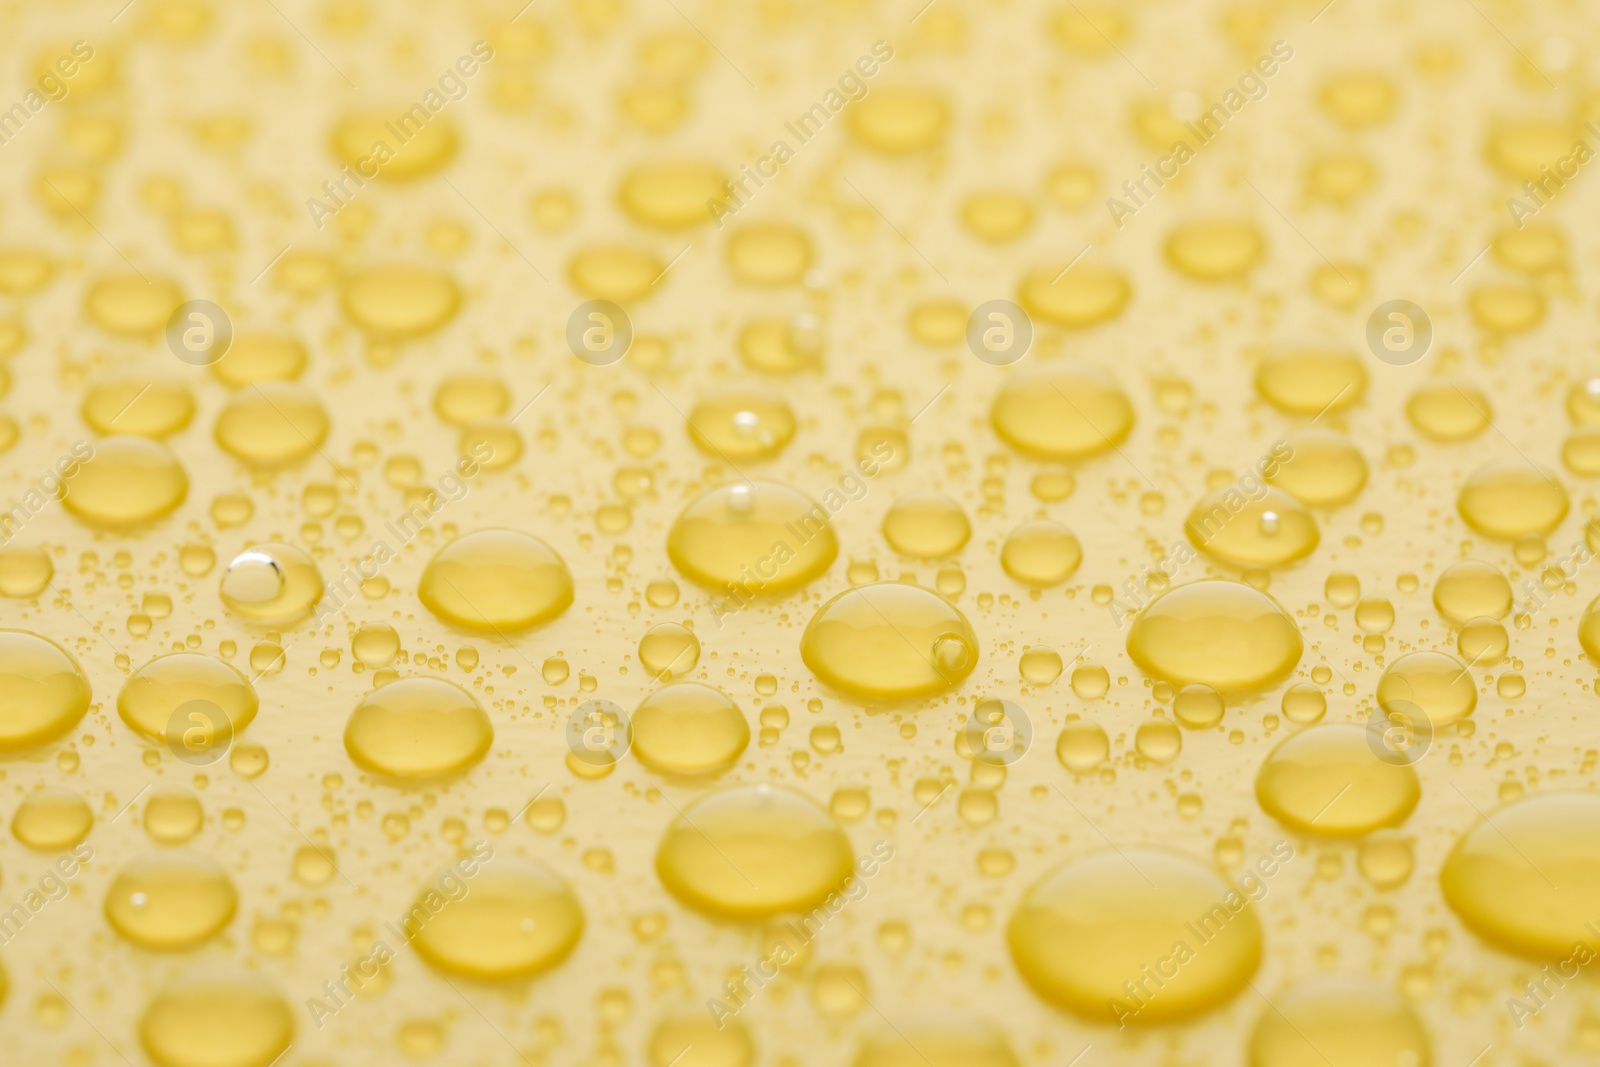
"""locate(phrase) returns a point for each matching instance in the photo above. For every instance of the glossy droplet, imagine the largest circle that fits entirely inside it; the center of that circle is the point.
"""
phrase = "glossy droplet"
(1449, 411)
(43, 692)
(926, 526)
(1058, 413)
(376, 644)
(1337, 1021)
(1304, 703)
(130, 480)
(24, 270)
(1327, 780)
(272, 423)
(517, 919)
(172, 816)
(1268, 531)
(1469, 589)
(688, 729)
(271, 581)
(753, 537)
(1509, 498)
(214, 1021)
(261, 356)
(672, 194)
(1434, 685)
(417, 729)
(1092, 924)
(1325, 470)
(768, 253)
(1358, 97)
(889, 640)
(415, 151)
(1082, 746)
(1309, 381)
(668, 649)
(401, 300)
(170, 900)
(754, 851)
(900, 119)
(1503, 308)
(52, 819)
(1198, 707)
(1483, 642)
(1077, 298)
(129, 306)
(142, 404)
(25, 571)
(1040, 665)
(496, 580)
(614, 272)
(1158, 740)
(1218, 633)
(996, 215)
(1589, 629)
(1212, 250)
(689, 1038)
(153, 701)
(948, 1041)
(1041, 553)
(742, 422)
(939, 323)
(1527, 877)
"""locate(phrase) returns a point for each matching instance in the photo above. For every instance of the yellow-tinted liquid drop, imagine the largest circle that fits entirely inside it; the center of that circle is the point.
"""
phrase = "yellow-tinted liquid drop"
(260, 356)
(1358, 98)
(1265, 532)
(171, 900)
(129, 306)
(945, 1042)
(401, 300)
(271, 581)
(1505, 308)
(1309, 381)
(152, 701)
(889, 640)
(1337, 1021)
(1218, 633)
(1326, 469)
(25, 571)
(130, 480)
(1082, 746)
(669, 649)
(672, 194)
(1433, 685)
(688, 729)
(496, 580)
(742, 422)
(1469, 589)
(754, 851)
(926, 526)
(1059, 413)
(518, 918)
(272, 423)
(996, 215)
(1327, 780)
(768, 253)
(213, 1021)
(52, 819)
(1083, 296)
(142, 404)
(172, 817)
(753, 537)
(614, 272)
(1527, 877)
(1198, 707)
(410, 150)
(1082, 931)
(689, 1038)
(418, 729)
(1449, 411)
(1509, 498)
(43, 692)
(1214, 250)
(898, 120)
(1041, 552)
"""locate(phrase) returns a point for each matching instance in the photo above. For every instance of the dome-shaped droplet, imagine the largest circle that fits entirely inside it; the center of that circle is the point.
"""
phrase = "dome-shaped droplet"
(1338, 1021)
(517, 918)
(1074, 296)
(1213, 250)
(1470, 589)
(742, 422)
(947, 1041)
(1510, 498)
(1219, 633)
(1056, 412)
(687, 729)
(170, 900)
(1326, 468)
(926, 526)
(418, 729)
(1041, 552)
(1328, 780)
(1434, 685)
(891, 641)
(750, 538)
(1270, 530)
(272, 423)
(1309, 381)
(145, 405)
(153, 700)
(271, 581)
(43, 692)
(52, 819)
(216, 1021)
(401, 300)
(502, 580)
(130, 480)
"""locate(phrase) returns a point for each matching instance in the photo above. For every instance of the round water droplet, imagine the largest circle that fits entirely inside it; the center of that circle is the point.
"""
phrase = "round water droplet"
(769, 253)
(400, 300)
(260, 356)
(423, 149)
(614, 272)
(1470, 589)
(170, 900)
(1449, 411)
(1040, 665)
(1198, 707)
(691, 1038)
(1435, 685)
(1506, 308)
(688, 729)
(417, 729)
(1041, 552)
(669, 649)
(752, 538)
(130, 306)
(1075, 296)
(25, 571)
(517, 919)
(1268, 531)
(496, 580)
(1082, 746)
(1309, 381)
(948, 1041)
(900, 119)
(52, 819)
(1510, 498)
(1527, 877)
(754, 851)
(742, 422)
(1218, 633)
(1336, 1021)
(130, 480)
(43, 692)
(889, 640)
(926, 526)
(173, 816)
(1214, 250)
(146, 405)
(1082, 931)
(217, 1021)
(272, 423)
(376, 644)
(1326, 468)
(1058, 413)
(1326, 780)
(672, 194)
(271, 581)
